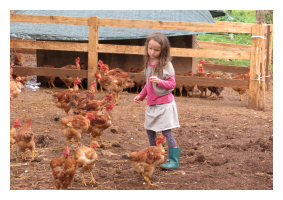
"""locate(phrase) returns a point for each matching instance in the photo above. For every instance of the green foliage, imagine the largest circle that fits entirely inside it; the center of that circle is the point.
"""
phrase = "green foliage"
(243, 16)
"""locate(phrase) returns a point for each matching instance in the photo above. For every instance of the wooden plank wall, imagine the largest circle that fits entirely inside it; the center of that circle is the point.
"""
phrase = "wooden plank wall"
(254, 53)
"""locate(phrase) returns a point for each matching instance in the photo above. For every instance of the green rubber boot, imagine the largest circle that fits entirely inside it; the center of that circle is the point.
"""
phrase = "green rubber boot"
(174, 157)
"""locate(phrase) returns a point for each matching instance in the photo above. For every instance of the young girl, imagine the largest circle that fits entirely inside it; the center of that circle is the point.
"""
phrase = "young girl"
(161, 111)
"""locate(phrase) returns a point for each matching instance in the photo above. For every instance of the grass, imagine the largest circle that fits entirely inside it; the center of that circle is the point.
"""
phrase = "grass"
(244, 16)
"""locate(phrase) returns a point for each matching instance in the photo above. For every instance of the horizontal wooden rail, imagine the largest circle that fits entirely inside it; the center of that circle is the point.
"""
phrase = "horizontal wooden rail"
(49, 45)
(47, 19)
(44, 71)
(127, 49)
(131, 23)
(230, 83)
(224, 46)
(225, 68)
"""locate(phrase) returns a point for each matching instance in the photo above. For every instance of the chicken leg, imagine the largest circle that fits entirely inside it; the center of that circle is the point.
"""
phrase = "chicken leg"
(83, 178)
(148, 181)
(92, 178)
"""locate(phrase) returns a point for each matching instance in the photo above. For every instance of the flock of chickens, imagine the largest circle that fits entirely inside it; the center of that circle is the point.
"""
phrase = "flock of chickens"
(90, 116)
(214, 91)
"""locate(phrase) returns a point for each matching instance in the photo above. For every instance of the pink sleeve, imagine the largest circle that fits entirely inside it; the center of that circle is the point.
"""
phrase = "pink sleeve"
(143, 93)
(168, 84)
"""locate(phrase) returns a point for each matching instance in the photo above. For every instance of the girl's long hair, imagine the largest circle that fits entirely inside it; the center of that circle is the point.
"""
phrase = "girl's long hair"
(164, 57)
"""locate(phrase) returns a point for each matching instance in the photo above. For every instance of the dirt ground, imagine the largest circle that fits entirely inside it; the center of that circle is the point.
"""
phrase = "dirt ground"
(224, 145)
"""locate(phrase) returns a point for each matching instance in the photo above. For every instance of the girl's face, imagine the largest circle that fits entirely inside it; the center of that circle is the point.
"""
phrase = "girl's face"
(154, 49)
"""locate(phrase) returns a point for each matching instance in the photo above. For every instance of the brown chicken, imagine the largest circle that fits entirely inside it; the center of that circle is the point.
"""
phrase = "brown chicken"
(73, 126)
(113, 81)
(24, 79)
(69, 80)
(187, 87)
(63, 170)
(25, 140)
(15, 88)
(86, 158)
(145, 161)
(100, 122)
(50, 79)
(200, 73)
(19, 59)
(240, 90)
(63, 99)
(13, 132)
(90, 105)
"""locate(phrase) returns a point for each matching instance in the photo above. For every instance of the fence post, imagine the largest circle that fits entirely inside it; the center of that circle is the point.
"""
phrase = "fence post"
(92, 48)
(254, 82)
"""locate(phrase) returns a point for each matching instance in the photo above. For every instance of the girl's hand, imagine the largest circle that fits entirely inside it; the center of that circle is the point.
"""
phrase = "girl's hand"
(154, 79)
(138, 99)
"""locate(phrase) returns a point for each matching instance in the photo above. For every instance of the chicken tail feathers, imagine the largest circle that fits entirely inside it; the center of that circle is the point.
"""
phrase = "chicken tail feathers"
(125, 157)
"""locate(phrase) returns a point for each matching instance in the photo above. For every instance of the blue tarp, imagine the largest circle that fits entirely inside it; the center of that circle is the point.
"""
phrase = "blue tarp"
(80, 33)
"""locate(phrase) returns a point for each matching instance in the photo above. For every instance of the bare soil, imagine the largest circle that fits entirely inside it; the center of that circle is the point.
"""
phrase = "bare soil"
(224, 145)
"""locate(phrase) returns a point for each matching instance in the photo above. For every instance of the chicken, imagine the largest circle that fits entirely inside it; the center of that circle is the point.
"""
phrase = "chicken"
(50, 79)
(15, 88)
(100, 122)
(200, 73)
(63, 99)
(187, 87)
(69, 80)
(19, 59)
(73, 126)
(25, 140)
(90, 105)
(240, 90)
(146, 160)
(63, 170)
(113, 81)
(13, 132)
(86, 158)
(24, 79)
(215, 91)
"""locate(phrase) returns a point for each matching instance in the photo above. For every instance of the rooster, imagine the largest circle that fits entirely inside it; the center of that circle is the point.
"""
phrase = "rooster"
(86, 158)
(25, 140)
(146, 160)
(63, 170)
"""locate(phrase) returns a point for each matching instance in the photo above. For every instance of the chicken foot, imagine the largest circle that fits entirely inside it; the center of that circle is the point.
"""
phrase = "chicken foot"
(92, 178)
(148, 181)
(83, 179)
(51, 83)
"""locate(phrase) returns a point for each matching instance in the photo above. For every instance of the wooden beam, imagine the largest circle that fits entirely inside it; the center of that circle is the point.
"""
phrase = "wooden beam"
(244, 84)
(225, 68)
(171, 25)
(224, 46)
(92, 49)
(255, 68)
(49, 45)
(45, 71)
(177, 52)
(49, 19)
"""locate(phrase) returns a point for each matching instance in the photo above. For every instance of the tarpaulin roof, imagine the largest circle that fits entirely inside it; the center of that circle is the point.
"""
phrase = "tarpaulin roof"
(80, 33)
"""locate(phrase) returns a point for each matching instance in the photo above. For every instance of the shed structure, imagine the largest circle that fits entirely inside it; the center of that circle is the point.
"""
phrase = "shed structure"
(110, 35)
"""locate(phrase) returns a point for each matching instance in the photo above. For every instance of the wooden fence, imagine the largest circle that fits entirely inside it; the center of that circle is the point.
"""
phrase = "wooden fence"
(256, 53)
